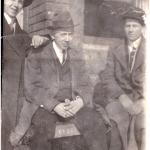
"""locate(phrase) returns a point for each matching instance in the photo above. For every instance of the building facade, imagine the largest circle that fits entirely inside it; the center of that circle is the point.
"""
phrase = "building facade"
(37, 17)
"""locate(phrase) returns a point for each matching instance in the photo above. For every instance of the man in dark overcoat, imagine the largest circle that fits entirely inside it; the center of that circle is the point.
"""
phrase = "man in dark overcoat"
(122, 88)
(58, 91)
(15, 42)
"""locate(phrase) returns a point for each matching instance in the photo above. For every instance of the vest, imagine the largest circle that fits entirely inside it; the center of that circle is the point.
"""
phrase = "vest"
(65, 87)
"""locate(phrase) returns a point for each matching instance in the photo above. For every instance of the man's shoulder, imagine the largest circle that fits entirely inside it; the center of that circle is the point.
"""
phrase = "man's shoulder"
(118, 47)
(40, 52)
(143, 43)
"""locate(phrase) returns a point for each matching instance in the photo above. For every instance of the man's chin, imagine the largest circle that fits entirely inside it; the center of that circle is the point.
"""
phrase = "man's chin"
(65, 47)
(132, 39)
(13, 14)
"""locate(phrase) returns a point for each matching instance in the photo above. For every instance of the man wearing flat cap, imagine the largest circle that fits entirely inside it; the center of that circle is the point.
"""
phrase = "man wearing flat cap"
(15, 44)
(123, 83)
(58, 93)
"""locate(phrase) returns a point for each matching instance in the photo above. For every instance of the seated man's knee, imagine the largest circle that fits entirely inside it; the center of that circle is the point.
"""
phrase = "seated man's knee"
(89, 120)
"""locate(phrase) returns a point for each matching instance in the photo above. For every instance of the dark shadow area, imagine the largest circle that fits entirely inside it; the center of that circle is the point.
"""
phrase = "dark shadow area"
(103, 18)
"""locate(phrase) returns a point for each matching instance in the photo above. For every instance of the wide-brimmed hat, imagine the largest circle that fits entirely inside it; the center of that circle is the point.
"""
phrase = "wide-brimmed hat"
(135, 13)
(27, 3)
(61, 20)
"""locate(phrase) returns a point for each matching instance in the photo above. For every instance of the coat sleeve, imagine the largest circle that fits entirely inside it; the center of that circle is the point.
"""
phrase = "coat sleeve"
(82, 80)
(85, 90)
(35, 89)
(26, 40)
(109, 81)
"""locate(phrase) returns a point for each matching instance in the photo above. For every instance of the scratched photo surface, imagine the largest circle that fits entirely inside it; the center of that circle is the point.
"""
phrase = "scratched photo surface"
(73, 74)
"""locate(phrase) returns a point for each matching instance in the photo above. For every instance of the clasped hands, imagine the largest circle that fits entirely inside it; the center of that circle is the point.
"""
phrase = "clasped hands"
(69, 108)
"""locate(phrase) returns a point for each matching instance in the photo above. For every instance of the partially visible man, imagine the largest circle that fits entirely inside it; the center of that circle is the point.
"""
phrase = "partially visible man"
(10, 23)
(123, 84)
(15, 43)
(58, 92)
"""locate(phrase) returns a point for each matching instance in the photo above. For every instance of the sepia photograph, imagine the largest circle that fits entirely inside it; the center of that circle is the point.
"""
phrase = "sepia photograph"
(73, 74)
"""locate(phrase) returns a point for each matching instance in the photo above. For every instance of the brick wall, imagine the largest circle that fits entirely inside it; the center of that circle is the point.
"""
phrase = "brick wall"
(38, 14)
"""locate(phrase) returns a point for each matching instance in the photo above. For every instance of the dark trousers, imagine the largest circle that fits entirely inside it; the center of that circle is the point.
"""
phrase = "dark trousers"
(87, 121)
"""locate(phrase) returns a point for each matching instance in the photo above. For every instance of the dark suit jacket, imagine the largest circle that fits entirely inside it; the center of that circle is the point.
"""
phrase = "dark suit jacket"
(13, 53)
(42, 78)
(117, 78)
(7, 30)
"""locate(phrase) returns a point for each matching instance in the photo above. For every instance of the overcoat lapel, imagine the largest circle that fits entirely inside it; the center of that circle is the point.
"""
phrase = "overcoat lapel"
(7, 31)
(50, 56)
(6, 28)
(122, 56)
(72, 58)
(75, 69)
(15, 41)
(140, 55)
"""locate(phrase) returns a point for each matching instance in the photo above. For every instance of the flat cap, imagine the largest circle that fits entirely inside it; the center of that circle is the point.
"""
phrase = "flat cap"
(27, 3)
(135, 13)
(61, 20)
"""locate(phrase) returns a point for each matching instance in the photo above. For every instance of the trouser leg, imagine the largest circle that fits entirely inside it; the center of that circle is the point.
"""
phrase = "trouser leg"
(93, 129)
(6, 128)
(24, 122)
(140, 131)
(44, 127)
(25, 117)
(113, 137)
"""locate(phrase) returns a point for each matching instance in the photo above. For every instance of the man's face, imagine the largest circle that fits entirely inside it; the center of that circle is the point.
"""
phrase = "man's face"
(63, 38)
(13, 7)
(133, 29)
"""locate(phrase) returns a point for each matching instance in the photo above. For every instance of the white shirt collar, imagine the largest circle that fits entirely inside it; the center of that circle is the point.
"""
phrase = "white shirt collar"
(58, 52)
(11, 22)
(8, 19)
(134, 44)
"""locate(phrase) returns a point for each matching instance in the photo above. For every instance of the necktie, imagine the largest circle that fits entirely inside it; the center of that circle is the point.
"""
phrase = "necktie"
(64, 52)
(132, 58)
(12, 26)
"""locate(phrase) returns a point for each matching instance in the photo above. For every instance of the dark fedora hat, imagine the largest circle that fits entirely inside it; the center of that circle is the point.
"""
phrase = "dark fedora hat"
(61, 20)
(136, 14)
(27, 3)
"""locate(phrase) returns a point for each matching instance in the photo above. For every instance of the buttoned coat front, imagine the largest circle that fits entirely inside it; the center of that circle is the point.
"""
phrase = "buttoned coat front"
(42, 77)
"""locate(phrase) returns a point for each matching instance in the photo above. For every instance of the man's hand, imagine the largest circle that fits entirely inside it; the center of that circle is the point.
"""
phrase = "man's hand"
(133, 108)
(127, 104)
(76, 105)
(138, 106)
(61, 110)
(38, 40)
